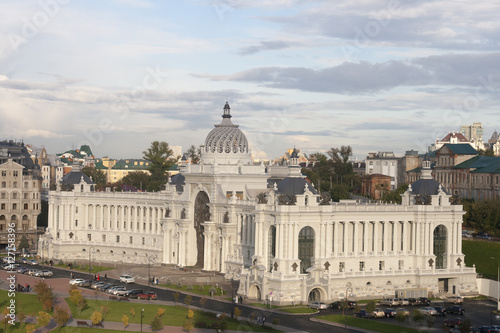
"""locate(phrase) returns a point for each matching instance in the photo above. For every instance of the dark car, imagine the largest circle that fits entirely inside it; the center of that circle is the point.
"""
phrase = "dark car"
(152, 295)
(455, 309)
(481, 234)
(440, 310)
(452, 322)
(390, 312)
(364, 314)
(105, 286)
(340, 304)
(134, 293)
(485, 329)
(424, 301)
(414, 301)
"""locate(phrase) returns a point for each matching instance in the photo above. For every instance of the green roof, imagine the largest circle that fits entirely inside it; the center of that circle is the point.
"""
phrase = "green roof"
(131, 165)
(461, 148)
(481, 164)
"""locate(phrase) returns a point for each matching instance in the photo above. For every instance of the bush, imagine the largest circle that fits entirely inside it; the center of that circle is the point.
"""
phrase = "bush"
(179, 284)
(190, 287)
(61, 262)
(200, 324)
(169, 282)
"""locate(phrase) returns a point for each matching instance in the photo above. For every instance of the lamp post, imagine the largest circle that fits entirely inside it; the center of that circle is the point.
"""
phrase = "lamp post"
(150, 259)
(348, 292)
(91, 250)
(142, 311)
(498, 282)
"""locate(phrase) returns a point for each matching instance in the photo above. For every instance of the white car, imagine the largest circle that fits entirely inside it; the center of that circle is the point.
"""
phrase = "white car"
(74, 282)
(379, 313)
(454, 299)
(117, 289)
(127, 279)
(121, 292)
(429, 311)
(318, 306)
(44, 273)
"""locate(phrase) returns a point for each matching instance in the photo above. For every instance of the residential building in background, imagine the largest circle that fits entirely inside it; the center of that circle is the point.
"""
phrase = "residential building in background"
(20, 193)
(115, 170)
(474, 133)
(384, 163)
(375, 185)
(453, 138)
(51, 166)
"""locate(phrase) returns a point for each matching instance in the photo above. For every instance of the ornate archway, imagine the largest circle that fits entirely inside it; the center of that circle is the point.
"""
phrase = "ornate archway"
(306, 248)
(201, 214)
(254, 293)
(440, 246)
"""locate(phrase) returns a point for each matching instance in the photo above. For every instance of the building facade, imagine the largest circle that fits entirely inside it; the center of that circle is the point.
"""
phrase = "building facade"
(384, 163)
(267, 228)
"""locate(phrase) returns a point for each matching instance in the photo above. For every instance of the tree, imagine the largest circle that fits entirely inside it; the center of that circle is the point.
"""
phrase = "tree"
(44, 295)
(96, 317)
(24, 244)
(190, 314)
(417, 316)
(188, 325)
(400, 316)
(160, 312)
(276, 321)
(97, 176)
(188, 300)
(125, 321)
(237, 312)
(430, 321)
(176, 297)
(203, 301)
(61, 316)
(43, 319)
(395, 195)
(132, 312)
(156, 324)
(370, 306)
(161, 160)
(30, 328)
(75, 297)
(193, 153)
(465, 326)
(138, 179)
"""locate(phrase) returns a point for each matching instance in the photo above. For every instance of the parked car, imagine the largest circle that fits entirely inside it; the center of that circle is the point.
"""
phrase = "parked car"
(440, 310)
(106, 286)
(454, 299)
(22, 270)
(134, 292)
(390, 302)
(404, 301)
(424, 301)
(97, 285)
(117, 289)
(151, 295)
(126, 279)
(455, 309)
(122, 292)
(452, 322)
(390, 312)
(414, 301)
(24, 261)
(340, 304)
(364, 314)
(33, 272)
(33, 262)
(429, 311)
(481, 234)
(403, 311)
(44, 273)
(85, 283)
(318, 306)
(74, 282)
(378, 313)
(485, 329)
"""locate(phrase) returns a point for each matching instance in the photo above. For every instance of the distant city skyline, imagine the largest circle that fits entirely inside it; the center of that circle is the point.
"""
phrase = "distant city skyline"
(119, 74)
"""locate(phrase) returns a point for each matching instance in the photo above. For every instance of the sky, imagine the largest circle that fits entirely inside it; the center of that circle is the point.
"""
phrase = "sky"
(315, 74)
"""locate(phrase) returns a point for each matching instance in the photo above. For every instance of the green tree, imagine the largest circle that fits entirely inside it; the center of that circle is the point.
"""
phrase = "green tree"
(138, 179)
(132, 312)
(188, 299)
(24, 244)
(161, 160)
(193, 153)
(75, 297)
(400, 316)
(371, 306)
(395, 195)
(417, 316)
(237, 312)
(44, 294)
(97, 176)
(156, 324)
(203, 301)
(465, 326)
(176, 297)
(61, 316)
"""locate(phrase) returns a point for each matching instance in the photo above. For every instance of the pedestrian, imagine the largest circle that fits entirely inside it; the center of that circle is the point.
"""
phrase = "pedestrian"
(263, 320)
(105, 277)
(28, 288)
(19, 287)
(157, 281)
(98, 277)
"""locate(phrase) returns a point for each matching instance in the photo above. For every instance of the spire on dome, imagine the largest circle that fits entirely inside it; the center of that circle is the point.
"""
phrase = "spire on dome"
(227, 111)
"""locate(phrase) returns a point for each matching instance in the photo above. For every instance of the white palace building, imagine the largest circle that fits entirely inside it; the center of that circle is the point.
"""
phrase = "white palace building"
(267, 228)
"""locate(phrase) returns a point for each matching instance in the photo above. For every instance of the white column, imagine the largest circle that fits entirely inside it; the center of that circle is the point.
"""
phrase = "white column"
(355, 237)
(94, 217)
(366, 228)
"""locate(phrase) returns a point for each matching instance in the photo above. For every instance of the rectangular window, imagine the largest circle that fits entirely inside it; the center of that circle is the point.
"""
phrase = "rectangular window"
(117, 225)
(383, 231)
(341, 266)
(4, 173)
(118, 239)
(154, 241)
(124, 225)
(333, 237)
(103, 238)
(25, 195)
(14, 206)
(144, 226)
(25, 206)
(401, 264)
(361, 266)
(89, 237)
(15, 173)
(150, 227)
(131, 239)
(392, 236)
(25, 227)
(402, 235)
(381, 265)
(143, 241)
(3, 206)
(76, 209)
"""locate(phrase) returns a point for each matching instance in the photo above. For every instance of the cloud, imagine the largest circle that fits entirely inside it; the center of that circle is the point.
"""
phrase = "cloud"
(364, 77)
(271, 45)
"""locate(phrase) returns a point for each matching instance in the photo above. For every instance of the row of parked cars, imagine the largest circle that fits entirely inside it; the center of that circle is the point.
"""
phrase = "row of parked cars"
(114, 289)
(35, 272)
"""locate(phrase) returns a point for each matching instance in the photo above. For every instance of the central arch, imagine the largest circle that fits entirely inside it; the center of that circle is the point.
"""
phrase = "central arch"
(201, 214)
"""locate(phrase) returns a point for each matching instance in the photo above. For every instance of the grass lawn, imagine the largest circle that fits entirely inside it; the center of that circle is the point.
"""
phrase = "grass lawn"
(299, 310)
(26, 303)
(369, 324)
(173, 315)
(480, 253)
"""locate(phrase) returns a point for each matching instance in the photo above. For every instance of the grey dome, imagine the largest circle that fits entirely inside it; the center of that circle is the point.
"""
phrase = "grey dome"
(178, 180)
(294, 185)
(74, 178)
(226, 137)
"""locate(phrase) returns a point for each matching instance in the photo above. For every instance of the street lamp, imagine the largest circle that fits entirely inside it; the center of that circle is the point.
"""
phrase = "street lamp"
(142, 311)
(150, 259)
(348, 292)
(91, 250)
(498, 282)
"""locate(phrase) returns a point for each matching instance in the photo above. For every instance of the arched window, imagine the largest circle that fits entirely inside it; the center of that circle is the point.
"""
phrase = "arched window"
(271, 246)
(440, 246)
(306, 248)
